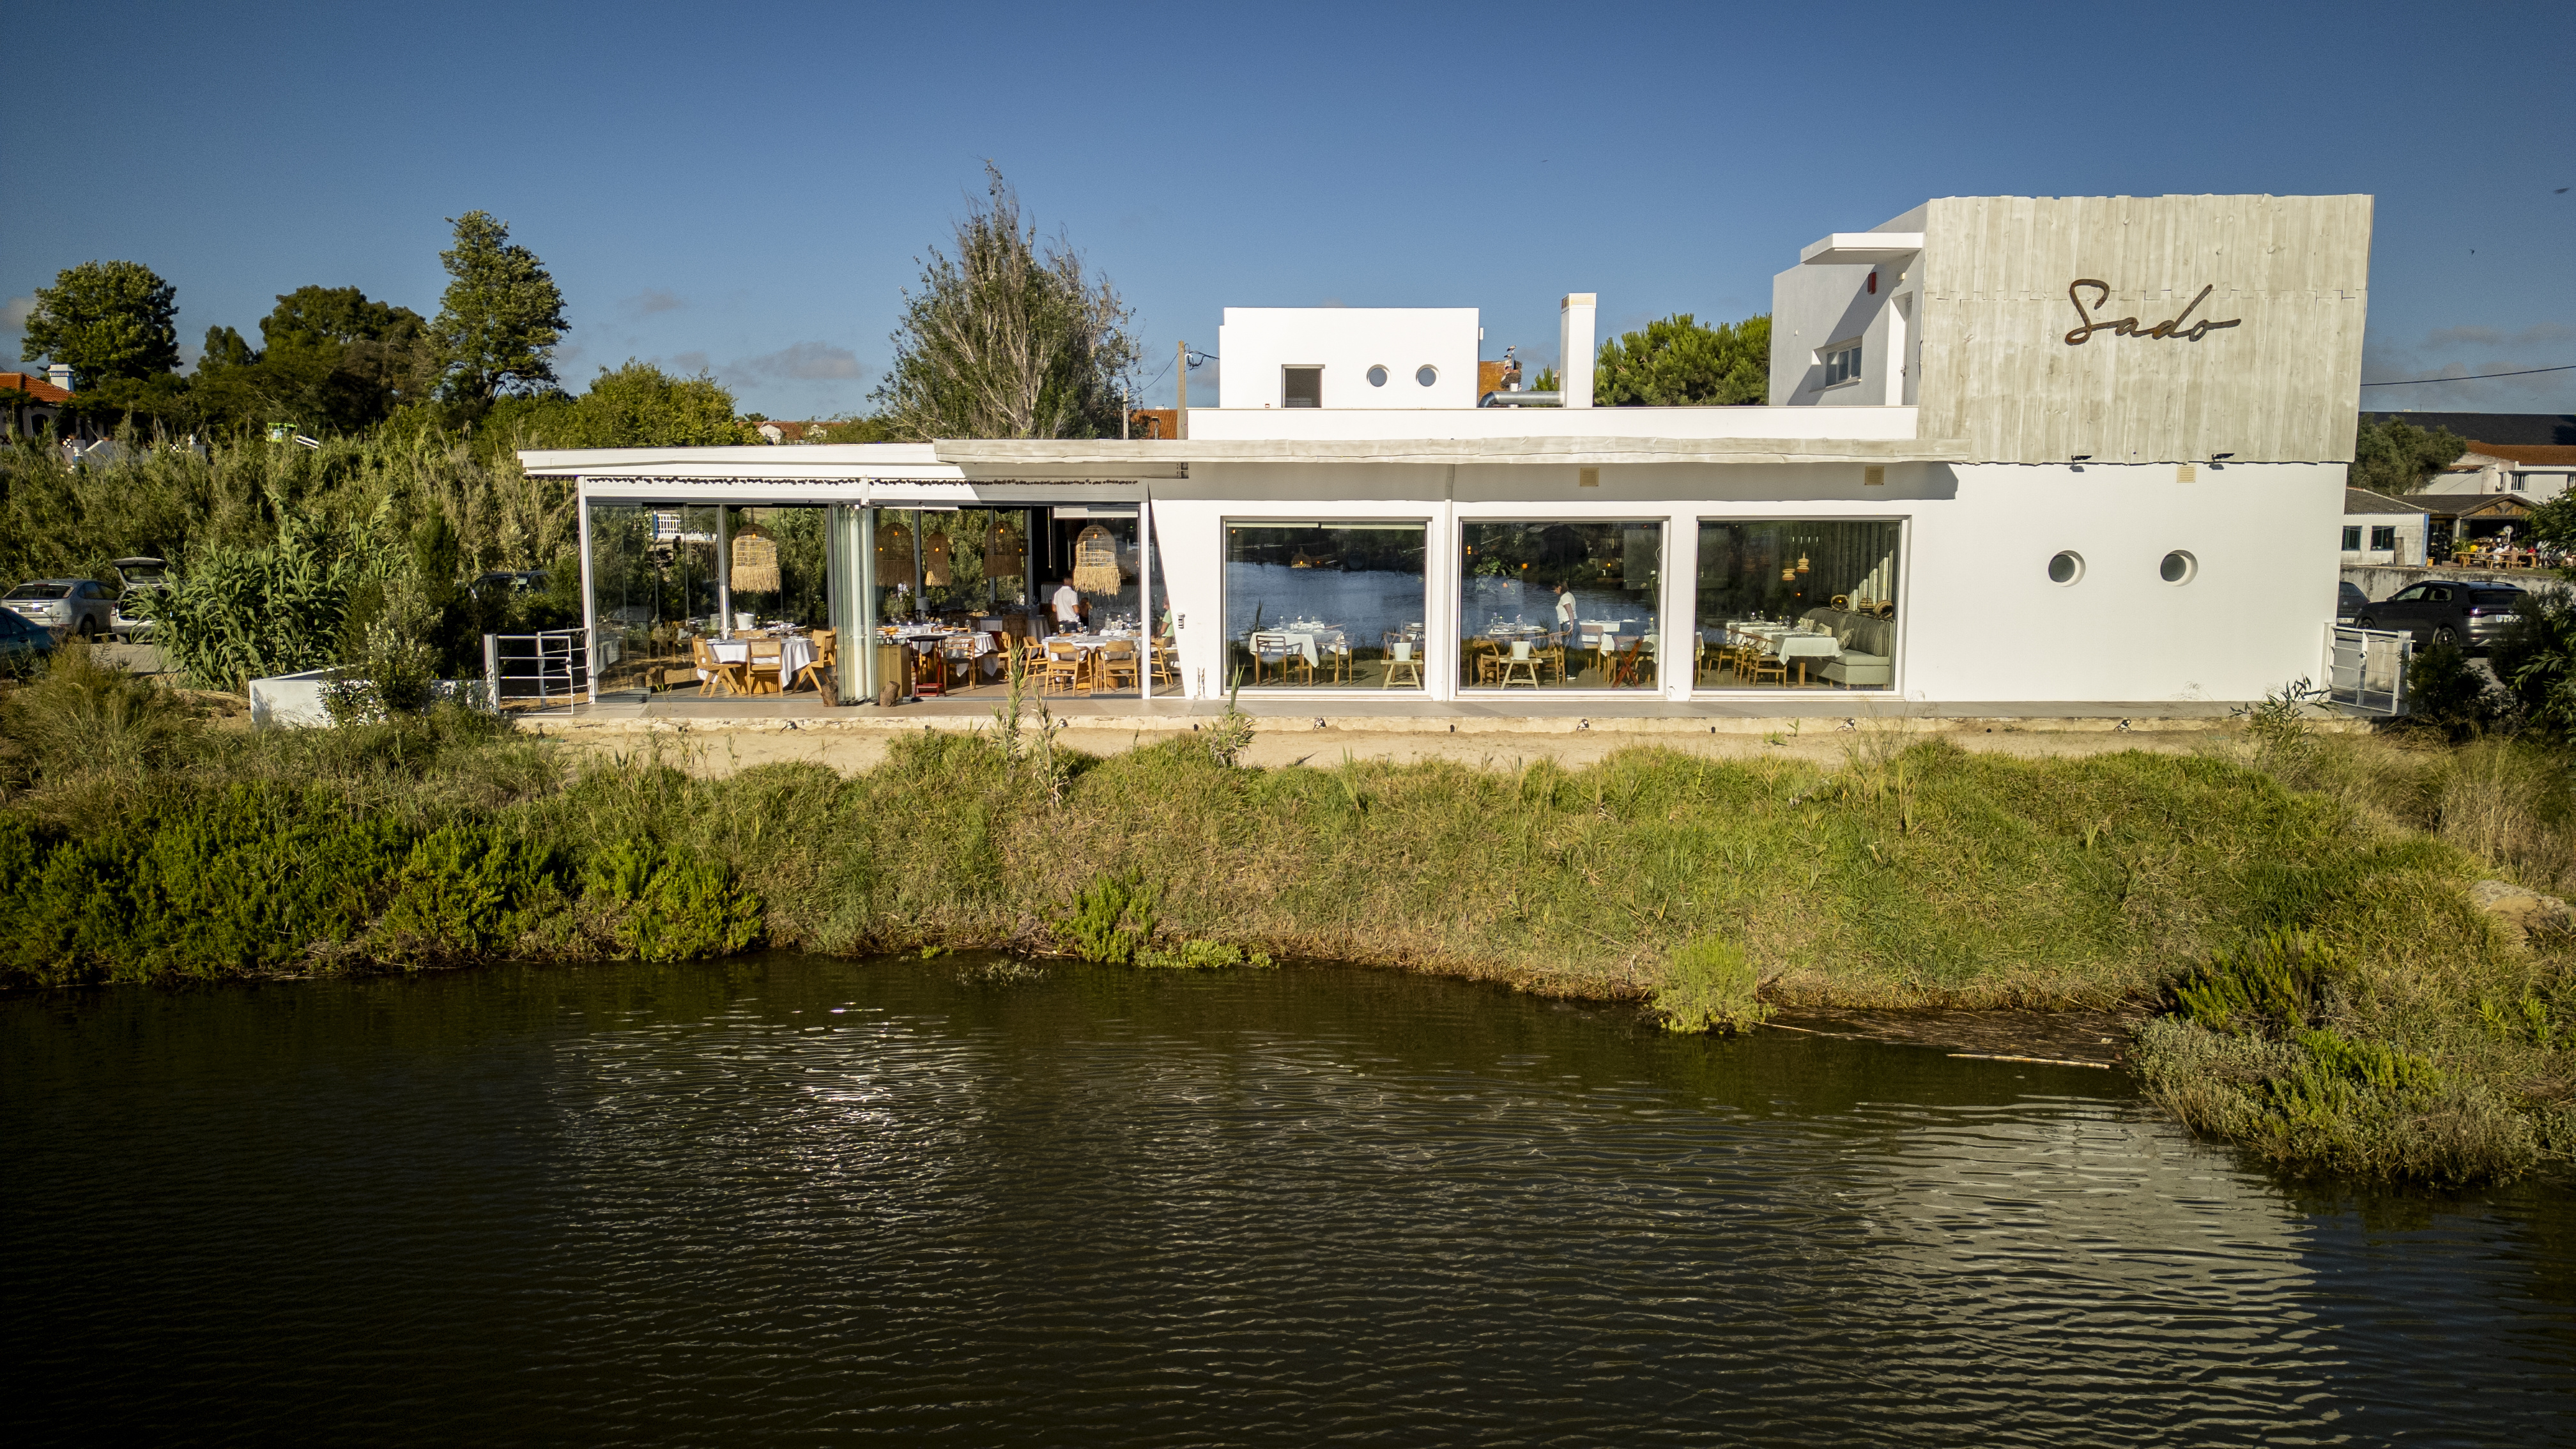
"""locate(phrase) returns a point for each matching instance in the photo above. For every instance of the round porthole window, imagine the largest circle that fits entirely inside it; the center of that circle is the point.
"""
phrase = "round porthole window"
(2178, 567)
(1377, 376)
(2066, 567)
(1427, 375)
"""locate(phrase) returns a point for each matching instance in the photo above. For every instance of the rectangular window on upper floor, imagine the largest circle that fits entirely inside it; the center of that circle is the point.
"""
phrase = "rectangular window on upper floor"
(1842, 363)
(1301, 387)
(2352, 538)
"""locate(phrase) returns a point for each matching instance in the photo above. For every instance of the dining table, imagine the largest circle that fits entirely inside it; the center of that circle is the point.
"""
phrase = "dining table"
(795, 652)
(1787, 643)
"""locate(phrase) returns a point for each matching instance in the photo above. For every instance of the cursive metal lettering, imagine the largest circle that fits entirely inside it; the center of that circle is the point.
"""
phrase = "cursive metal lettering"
(2128, 326)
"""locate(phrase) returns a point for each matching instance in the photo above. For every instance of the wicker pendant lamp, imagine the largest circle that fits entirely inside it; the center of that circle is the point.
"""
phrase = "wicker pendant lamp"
(1095, 561)
(894, 556)
(934, 560)
(755, 562)
(1001, 554)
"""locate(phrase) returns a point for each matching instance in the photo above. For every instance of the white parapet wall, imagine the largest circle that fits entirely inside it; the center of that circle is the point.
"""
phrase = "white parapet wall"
(290, 700)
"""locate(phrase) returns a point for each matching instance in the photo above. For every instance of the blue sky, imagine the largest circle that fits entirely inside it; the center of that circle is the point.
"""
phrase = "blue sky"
(746, 188)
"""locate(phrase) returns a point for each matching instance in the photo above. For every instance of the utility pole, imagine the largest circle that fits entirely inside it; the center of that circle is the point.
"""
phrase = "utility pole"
(1181, 414)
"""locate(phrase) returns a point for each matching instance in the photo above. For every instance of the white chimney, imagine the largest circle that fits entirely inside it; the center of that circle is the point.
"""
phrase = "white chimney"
(60, 375)
(1574, 349)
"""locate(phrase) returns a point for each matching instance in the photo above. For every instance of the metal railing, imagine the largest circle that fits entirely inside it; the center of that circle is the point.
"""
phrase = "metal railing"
(2366, 668)
(534, 672)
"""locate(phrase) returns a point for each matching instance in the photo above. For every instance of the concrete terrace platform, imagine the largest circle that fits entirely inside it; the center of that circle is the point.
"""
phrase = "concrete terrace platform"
(1522, 715)
(717, 737)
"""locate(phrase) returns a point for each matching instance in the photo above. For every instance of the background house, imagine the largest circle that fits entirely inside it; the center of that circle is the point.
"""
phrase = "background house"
(30, 404)
(2378, 529)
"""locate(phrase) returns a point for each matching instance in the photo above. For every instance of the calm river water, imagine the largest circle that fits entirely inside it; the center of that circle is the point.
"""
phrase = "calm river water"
(795, 1199)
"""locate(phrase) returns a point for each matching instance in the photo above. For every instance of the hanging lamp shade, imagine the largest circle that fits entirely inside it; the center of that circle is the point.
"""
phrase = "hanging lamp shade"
(1095, 561)
(894, 556)
(755, 562)
(1001, 554)
(1802, 563)
(934, 560)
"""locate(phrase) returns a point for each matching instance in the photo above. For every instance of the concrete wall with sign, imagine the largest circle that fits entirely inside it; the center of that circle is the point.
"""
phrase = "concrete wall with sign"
(2281, 384)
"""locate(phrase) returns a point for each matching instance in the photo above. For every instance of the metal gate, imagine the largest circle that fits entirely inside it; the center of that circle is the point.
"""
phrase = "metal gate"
(533, 672)
(2366, 668)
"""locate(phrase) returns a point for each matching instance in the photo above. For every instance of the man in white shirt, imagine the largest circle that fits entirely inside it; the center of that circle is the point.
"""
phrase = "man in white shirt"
(1068, 607)
(1564, 608)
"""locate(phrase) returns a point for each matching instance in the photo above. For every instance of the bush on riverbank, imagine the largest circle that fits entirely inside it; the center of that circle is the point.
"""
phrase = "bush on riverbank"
(1910, 876)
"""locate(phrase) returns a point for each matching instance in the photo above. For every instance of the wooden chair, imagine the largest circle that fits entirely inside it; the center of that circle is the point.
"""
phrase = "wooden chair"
(814, 676)
(1167, 661)
(1552, 653)
(763, 668)
(1521, 665)
(1627, 666)
(716, 676)
(1403, 662)
(1772, 665)
(957, 662)
(1275, 649)
(1487, 656)
(929, 674)
(1116, 662)
(1064, 670)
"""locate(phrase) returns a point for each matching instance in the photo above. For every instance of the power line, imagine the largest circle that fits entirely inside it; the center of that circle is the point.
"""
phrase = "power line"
(2472, 377)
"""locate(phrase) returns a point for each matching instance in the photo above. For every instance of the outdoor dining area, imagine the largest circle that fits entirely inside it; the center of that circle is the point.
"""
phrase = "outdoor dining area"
(1593, 653)
(943, 657)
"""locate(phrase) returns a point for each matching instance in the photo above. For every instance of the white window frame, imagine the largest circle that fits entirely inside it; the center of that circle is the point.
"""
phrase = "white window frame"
(1828, 357)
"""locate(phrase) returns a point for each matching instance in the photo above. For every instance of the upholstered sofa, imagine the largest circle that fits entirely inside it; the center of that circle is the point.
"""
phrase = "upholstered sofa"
(1868, 648)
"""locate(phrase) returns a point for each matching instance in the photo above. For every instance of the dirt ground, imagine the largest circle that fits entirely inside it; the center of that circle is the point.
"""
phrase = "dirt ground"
(721, 750)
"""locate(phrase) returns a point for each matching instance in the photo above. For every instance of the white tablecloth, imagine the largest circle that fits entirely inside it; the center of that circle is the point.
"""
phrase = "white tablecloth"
(794, 653)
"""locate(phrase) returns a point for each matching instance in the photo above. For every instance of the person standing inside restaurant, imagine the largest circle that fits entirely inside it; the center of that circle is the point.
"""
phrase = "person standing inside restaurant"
(1564, 609)
(1068, 608)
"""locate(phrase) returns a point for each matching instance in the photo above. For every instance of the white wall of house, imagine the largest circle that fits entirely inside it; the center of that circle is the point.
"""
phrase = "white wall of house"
(1979, 619)
(2382, 538)
(1255, 343)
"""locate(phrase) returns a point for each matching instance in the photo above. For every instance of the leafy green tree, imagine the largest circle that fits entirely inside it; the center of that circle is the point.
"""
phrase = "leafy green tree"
(500, 318)
(1676, 362)
(2394, 456)
(105, 320)
(1006, 340)
(342, 362)
(641, 406)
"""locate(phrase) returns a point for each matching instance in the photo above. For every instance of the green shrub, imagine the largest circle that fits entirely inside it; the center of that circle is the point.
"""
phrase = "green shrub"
(83, 715)
(1712, 988)
(2271, 986)
(1200, 956)
(465, 891)
(1111, 920)
(250, 878)
(670, 905)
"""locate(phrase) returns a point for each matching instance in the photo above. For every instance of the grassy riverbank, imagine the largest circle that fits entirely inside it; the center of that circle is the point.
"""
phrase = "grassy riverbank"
(2392, 1031)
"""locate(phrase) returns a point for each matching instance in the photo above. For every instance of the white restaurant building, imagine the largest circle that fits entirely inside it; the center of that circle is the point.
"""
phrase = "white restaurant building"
(2017, 451)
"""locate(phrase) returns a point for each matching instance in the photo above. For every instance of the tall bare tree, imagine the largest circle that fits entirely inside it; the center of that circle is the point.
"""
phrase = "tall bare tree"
(1006, 339)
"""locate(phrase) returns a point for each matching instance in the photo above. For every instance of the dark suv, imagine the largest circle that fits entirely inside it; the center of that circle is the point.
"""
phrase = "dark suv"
(2446, 611)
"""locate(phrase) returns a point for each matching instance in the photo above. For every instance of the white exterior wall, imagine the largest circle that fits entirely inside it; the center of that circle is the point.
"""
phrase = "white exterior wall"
(1978, 619)
(1319, 425)
(1254, 343)
(2411, 528)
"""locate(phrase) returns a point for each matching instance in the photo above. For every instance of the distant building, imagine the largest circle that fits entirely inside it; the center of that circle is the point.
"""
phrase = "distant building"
(2537, 471)
(29, 404)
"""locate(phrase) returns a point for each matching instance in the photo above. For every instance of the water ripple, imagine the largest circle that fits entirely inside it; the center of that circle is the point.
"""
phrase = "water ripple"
(701, 1205)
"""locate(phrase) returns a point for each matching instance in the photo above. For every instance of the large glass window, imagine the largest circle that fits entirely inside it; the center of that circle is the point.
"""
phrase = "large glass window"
(1797, 605)
(1559, 605)
(1325, 605)
(954, 564)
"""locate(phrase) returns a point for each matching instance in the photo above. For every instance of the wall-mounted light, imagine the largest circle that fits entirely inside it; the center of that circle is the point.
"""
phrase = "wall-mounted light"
(1873, 281)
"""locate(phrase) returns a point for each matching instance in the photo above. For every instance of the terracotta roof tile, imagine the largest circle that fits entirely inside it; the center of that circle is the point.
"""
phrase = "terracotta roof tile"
(45, 392)
(2527, 454)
